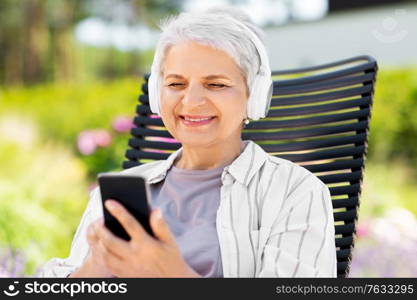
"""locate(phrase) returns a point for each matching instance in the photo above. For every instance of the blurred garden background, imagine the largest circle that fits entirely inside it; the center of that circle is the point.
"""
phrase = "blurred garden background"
(70, 74)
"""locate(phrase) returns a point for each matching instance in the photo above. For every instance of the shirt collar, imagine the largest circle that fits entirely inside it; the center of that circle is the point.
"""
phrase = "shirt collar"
(243, 168)
(161, 169)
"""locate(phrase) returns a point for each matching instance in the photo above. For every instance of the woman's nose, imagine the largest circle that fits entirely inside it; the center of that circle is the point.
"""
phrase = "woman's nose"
(194, 94)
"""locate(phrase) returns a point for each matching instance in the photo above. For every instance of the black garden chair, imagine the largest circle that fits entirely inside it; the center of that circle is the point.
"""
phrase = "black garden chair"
(319, 118)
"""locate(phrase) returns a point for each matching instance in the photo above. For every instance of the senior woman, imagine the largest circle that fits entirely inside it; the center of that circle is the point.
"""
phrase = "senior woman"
(221, 207)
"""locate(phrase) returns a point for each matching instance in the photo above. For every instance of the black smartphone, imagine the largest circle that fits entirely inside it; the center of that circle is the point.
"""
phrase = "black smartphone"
(133, 193)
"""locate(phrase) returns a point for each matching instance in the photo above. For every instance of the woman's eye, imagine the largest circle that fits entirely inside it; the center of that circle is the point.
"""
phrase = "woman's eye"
(213, 85)
(217, 85)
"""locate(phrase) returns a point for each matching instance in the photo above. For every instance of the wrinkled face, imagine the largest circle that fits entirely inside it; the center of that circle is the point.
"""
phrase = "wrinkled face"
(203, 95)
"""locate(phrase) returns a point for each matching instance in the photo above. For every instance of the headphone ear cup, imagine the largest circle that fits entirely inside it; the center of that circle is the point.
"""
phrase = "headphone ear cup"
(153, 94)
(265, 86)
(270, 90)
(260, 97)
(252, 107)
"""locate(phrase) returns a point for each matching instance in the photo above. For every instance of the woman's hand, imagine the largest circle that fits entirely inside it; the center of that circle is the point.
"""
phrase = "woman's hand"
(143, 255)
(93, 265)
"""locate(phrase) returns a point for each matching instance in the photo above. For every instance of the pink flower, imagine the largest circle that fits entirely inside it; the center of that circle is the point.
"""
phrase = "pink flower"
(86, 143)
(122, 124)
(362, 229)
(102, 138)
(89, 140)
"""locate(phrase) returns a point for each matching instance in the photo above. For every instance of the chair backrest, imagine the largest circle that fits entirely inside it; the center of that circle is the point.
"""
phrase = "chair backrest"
(319, 118)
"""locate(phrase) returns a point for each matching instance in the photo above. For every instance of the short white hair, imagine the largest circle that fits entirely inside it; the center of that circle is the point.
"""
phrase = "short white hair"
(215, 27)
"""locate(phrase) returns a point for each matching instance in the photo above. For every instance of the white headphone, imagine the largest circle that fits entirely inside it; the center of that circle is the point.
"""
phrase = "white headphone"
(260, 93)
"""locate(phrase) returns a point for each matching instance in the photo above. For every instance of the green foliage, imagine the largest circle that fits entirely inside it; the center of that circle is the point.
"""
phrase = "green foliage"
(110, 63)
(43, 191)
(386, 186)
(63, 111)
(393, 131)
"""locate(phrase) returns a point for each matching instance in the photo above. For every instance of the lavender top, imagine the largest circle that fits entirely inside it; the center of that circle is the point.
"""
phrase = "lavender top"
(189, 200)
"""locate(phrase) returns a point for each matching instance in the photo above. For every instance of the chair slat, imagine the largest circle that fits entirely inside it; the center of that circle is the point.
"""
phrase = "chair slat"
(348, 215)
(344, 241)
(309, 121)
(143, 99)
(345, 229)
(127, 164)
(141, 132)
(346, 202)
(343, 254)
(304, 133)
(314, 109)
(145, 87)
(326, 85)
(335, 165)
(326, 96)
(139, 143)
(304, 145)
(354, 176)
(341, 268)
(144, 110)
(325, 154)
(142, 120)
(134, 154)
(342, 190)
(322, 77)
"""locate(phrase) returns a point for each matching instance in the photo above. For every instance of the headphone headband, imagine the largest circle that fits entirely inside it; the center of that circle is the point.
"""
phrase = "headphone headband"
(264, 68)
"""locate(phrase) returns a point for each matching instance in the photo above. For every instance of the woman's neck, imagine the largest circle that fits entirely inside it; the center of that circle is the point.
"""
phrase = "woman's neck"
(209, 157)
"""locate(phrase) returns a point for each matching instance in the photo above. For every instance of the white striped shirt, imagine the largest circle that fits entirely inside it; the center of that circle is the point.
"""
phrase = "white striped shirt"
(275, 219)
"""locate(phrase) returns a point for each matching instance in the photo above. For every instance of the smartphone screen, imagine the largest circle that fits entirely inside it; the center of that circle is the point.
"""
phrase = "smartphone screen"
(133, 193)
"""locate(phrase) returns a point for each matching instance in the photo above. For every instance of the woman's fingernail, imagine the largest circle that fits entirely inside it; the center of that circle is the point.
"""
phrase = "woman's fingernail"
(158, 214)
(110, 204)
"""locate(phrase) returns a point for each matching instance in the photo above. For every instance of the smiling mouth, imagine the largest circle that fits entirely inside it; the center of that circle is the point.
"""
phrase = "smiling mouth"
(196, 120)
